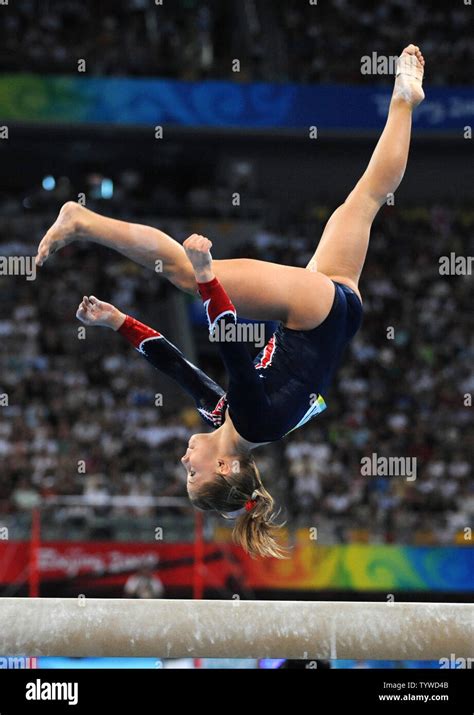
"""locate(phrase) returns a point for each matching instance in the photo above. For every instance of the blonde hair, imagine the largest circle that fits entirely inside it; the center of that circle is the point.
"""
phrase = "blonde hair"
(255, 528)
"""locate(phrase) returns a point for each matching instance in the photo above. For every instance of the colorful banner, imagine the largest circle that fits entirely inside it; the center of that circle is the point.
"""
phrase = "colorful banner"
(212, 103)
(362, 567)
(355, 567)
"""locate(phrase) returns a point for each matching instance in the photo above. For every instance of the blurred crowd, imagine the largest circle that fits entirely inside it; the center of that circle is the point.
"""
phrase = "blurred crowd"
(196, 39)
(78, 410)
(321, 40)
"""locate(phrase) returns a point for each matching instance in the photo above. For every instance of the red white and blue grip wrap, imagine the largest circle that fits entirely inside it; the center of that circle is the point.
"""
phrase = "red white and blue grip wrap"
(217, 303)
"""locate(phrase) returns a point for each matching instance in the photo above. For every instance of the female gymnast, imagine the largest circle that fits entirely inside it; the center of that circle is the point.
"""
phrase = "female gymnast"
(319, 310)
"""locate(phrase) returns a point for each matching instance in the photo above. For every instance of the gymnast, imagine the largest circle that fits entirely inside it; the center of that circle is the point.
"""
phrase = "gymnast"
(319, 310)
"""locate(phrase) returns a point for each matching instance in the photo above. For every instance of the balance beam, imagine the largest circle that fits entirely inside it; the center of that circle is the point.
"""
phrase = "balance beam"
(235, 629)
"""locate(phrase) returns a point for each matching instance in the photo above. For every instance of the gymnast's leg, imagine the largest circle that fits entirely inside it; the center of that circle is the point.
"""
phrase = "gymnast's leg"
(343, 246)
(260, 290)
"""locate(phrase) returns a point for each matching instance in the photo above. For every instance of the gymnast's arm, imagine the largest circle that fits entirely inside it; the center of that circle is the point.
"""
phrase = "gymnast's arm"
(246, 392)
(220, 313)
(163, 355)
(167, 358)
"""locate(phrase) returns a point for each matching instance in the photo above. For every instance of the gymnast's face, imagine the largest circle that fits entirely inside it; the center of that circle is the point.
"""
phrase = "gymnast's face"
(200, 461)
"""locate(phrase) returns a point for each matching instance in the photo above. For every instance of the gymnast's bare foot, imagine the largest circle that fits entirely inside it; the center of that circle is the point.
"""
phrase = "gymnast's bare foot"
(71, 225)
(93, 311)
(409, 76)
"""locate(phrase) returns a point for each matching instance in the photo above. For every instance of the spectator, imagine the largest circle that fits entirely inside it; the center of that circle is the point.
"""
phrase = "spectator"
(144, 584)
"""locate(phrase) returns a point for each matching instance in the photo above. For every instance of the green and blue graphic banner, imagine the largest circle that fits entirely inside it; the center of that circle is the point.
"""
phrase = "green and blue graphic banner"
(226, 104)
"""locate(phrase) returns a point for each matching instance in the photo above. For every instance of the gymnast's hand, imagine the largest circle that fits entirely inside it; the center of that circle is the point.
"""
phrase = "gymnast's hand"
(198, 250)
(95, 312)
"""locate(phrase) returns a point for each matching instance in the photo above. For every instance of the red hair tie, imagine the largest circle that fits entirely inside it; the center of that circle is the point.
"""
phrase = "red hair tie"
(252, 502)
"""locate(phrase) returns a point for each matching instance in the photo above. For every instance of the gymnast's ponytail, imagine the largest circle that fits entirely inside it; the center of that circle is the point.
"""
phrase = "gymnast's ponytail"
(255, 530)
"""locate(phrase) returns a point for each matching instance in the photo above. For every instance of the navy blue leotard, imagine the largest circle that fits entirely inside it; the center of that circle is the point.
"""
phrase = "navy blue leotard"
(278, 391)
